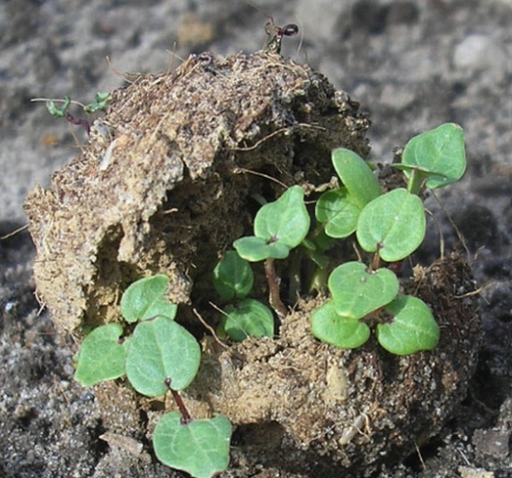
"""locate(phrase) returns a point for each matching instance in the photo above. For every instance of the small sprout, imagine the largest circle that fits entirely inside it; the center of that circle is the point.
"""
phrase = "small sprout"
(160, 350)
(339, 209)
(438, 156)
(54, 110)
(248, 318)
(278, 227)
(145, 299)
(101, 356)
(101, 100)
(332, 328)
(233, 277)
(357, 291)
(412, 328)
(393, 225)
(199, 447)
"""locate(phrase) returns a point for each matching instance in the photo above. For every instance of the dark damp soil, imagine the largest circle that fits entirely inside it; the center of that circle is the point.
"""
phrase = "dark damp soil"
(411, 65)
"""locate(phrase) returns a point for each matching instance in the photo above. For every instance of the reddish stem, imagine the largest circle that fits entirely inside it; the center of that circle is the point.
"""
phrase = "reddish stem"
(185, 415)
(273, 289)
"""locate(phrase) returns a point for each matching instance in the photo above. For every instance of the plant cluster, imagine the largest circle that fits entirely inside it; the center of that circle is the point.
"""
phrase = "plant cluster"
(161, 356)
(389, 226)
(101, 100)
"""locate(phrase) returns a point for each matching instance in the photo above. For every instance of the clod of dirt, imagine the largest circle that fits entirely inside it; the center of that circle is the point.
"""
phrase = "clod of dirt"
(166, 182)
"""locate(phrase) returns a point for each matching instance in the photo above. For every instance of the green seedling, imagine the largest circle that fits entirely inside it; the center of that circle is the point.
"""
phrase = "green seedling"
(233, 280)
(101, 100)
(145, 299)
(393, 225)
(58, 112)
(434, 159)
(102, 355)
(201, 447)
(161, 356)
(411, 327)
(338, 210)
(278, 227)
(357, 291)
(100, 103)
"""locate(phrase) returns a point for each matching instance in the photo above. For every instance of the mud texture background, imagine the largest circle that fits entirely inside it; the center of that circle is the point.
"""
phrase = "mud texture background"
(411, 65)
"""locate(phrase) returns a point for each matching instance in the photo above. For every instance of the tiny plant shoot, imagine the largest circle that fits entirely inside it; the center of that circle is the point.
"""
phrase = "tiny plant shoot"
(101, 100)
(160, 356)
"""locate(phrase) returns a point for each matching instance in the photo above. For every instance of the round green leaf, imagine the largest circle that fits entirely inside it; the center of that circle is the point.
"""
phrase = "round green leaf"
(161, 350)
(412, 328)
(439, 151)
(338, 211)
(145, 299)
(248, 318)
(392, 224)
(200, 447)
(356, 175)
(101, 355)
(233, 277)
(330, 327)
(255, 249)
(357, 291)
(285, 221)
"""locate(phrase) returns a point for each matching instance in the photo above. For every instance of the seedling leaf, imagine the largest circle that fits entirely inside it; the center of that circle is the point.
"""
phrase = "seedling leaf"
(332, 328)
(101, 100)
(255, 249)
(101, 355)
(285, 221)
(356, 175)
(161, 350)
(338, 211)
(392, 224)
(144, 299)
(200, 447)
(233, 277)
(439, 151)
(248, 318)
(54, 110)
(413, 327)
(357, 291)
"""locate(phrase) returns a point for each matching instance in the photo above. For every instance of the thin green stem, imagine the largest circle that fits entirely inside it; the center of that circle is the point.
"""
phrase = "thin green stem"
(415, 183)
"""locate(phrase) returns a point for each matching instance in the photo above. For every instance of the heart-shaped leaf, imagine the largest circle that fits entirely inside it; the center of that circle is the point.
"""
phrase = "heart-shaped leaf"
(334, 329)
(233, 277)
(284, 221)
(338, 211)
(392, 224)
(200, 447)
(248, 318)
(145, 299)
(161, 350)
(439, 151)
(412, 328)
(357, 291)
(101, 355)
